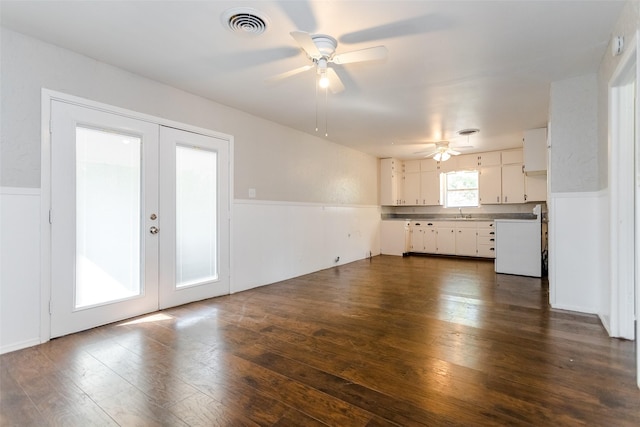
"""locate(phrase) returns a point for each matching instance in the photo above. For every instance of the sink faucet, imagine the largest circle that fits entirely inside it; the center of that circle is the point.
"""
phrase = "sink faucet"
(460, 211)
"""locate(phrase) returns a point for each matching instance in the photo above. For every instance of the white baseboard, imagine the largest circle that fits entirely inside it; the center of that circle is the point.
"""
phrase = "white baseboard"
(19, 345)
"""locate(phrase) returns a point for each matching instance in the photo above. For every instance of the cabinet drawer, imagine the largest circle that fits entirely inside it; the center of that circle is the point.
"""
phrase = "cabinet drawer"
(487, 240)
(486, 232)
(486, 251)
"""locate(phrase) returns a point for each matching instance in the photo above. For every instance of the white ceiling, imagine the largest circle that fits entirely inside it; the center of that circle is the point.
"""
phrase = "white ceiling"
(451, 64)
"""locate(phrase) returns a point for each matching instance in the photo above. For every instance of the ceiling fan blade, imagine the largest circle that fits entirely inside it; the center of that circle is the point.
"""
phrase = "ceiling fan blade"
(463, 147)
(406, 27)
(335, 84)
(289, 73)
(429, 153)
(453, 152)
(306, 42)
(369, 54)
(300, 13)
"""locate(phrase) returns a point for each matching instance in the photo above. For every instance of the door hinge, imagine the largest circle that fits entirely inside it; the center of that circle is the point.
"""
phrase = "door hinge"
(50, 220)
(50, 312)
(50, 127)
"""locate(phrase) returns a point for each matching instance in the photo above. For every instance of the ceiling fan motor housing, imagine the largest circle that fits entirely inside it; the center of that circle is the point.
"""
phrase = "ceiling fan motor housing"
(325, 44)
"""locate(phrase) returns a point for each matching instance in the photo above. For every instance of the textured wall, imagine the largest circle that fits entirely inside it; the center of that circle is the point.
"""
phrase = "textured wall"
(280, 163)
(626, 27)
(573, 118)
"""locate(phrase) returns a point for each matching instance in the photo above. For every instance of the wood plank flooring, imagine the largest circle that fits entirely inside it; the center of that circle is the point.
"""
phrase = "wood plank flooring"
(388, 341)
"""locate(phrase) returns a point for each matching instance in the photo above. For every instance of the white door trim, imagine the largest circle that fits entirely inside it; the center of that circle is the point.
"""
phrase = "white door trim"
(45, 184)
(622, 183)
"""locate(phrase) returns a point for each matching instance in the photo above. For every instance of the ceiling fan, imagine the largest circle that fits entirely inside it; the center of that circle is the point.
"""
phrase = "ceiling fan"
(321, 50)
(442, 153)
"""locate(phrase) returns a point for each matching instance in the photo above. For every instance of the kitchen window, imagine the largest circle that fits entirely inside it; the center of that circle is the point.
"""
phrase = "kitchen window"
(461, 189)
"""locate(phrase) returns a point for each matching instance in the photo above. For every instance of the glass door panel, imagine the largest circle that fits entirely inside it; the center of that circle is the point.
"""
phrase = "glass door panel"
(196, 216)
(194, 201)
(104, 194)
(108, 212)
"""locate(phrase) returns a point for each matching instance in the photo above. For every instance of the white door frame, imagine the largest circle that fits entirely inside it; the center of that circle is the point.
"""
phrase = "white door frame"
(622, 182)
(45, 182)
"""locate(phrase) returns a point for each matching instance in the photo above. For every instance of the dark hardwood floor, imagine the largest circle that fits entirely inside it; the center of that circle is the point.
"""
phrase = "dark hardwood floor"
(387, 341)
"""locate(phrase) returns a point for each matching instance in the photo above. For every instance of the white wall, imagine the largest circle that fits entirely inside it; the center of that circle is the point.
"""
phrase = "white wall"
(575, 208)
(19, 268)
(298, 171)
(276, 241)
(576, 262)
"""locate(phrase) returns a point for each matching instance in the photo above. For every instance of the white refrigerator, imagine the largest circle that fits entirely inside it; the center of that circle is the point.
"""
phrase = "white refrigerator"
(519, 246)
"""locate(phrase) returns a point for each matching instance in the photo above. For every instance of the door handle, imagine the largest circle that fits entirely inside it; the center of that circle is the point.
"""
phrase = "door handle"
(154, 230)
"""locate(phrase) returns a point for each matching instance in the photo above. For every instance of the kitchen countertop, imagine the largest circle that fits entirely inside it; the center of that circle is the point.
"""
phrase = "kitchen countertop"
(446, 217)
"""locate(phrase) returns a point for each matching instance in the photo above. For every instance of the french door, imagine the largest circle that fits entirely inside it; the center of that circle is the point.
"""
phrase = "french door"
(139, 217)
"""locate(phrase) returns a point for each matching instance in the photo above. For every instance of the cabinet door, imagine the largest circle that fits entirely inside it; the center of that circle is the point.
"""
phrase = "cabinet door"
(491, 158)
(512, 156)
(416, 239)
(411, 166)
(535, 187)
(412, 188)
(512, 183)
(449, 165)
(535, 150)
(388, 182)
(430, 188)
(490, 185)
(429, 240)
(466, 241)
(446, 241)
(468, 162)
(428, 165)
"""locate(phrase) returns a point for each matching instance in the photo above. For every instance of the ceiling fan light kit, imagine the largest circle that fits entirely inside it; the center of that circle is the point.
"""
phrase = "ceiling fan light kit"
(321, 50)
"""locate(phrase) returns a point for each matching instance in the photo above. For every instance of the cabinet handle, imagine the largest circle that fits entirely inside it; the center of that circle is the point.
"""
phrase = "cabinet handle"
(430, 223)
(498, 199)
(506, 198)
(492, 240)
(492, 249)
(417, 223)
(492, 232)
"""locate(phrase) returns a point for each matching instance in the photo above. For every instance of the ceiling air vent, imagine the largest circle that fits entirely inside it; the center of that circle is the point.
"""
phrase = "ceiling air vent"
(467, 132)
(245, 21)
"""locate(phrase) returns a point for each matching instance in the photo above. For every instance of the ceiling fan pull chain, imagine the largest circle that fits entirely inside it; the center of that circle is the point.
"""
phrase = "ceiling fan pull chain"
(317, 104)
(326, 112)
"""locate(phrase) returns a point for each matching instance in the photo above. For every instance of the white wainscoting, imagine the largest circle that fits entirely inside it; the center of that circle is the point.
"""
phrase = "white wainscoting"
(274, 241)
(578, 256)
(20, 268)
(271, 241)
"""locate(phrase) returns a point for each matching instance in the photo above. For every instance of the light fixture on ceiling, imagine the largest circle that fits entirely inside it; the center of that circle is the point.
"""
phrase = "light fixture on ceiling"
(442, 156)
(323, 80)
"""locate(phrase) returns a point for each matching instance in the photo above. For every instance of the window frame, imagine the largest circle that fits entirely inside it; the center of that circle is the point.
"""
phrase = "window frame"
(446, 190)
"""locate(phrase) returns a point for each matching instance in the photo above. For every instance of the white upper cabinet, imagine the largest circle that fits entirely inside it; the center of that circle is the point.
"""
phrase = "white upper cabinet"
(513, 183)
(491, 158)
(510, 157)
(535, 151)
(490, 185)
(468, 162)
(390, 180)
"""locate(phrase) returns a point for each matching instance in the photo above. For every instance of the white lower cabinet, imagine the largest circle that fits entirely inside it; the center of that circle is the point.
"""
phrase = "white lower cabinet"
(466, 239)
(445, 237)
(461, 238)
(486, 242)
